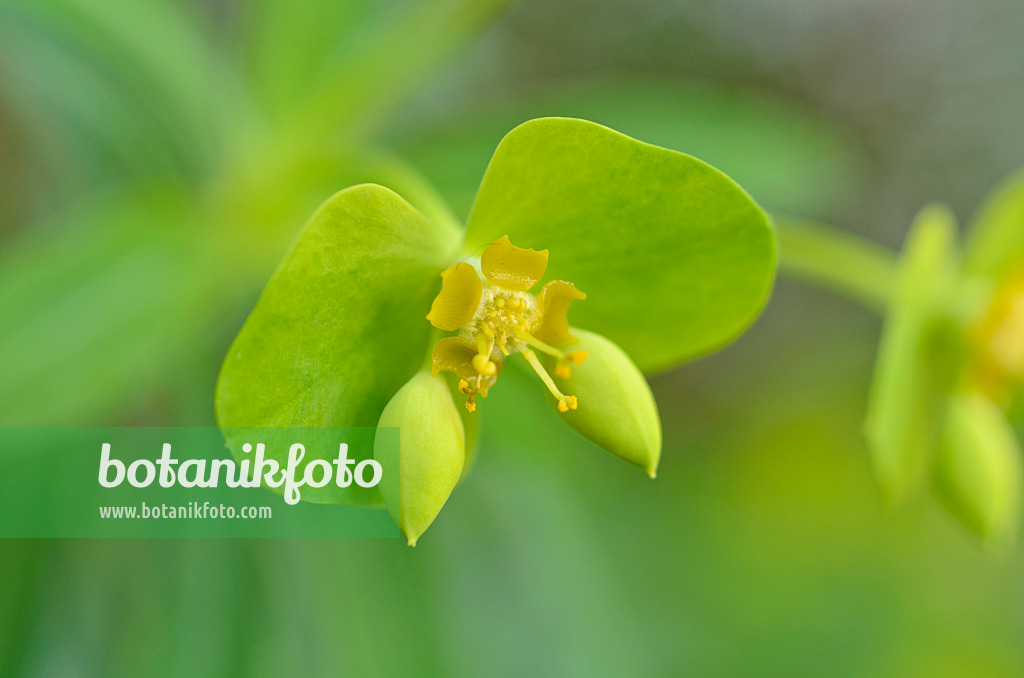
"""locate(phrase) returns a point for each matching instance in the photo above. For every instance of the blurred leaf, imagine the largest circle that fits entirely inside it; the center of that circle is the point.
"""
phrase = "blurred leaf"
(901, 409)
(151, 48)
(675, 258)
(340, 326)
(789, 160)
(363, 78)
(289, 44)
(93, 314)
(996, 239)
(979, 470)
(76, 111)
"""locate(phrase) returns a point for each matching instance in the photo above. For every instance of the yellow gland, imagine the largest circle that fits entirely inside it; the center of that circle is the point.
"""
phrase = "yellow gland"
(499, 316)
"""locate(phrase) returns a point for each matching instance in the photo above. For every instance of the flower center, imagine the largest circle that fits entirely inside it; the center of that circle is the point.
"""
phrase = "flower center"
(501, 315)
(503, 325)
(498, 316)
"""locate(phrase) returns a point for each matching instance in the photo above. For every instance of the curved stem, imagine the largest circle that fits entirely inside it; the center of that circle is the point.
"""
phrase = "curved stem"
(839, 261)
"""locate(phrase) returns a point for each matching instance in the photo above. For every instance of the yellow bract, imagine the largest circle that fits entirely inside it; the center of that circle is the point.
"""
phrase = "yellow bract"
(512, 268)
(458, 300)
(554, 303)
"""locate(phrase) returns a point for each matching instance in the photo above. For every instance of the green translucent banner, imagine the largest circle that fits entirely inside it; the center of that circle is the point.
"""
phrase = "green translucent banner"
(184, 482)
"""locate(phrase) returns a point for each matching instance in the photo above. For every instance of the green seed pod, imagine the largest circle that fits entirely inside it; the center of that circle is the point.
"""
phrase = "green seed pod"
(420, 474)
(615, 408)
(979, 468)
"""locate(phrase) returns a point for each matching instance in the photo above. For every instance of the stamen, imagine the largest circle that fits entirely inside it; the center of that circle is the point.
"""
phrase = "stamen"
(523, 335)
(565, 403)
(562, 369)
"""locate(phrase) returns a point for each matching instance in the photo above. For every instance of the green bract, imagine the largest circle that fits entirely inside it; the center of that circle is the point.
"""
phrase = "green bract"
(900, 420)
(674, 258)
(417, 481)
(997, 232)
(618, 411)
(978, 469)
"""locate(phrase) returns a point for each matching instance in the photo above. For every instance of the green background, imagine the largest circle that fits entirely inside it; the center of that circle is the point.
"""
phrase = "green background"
(128, 262)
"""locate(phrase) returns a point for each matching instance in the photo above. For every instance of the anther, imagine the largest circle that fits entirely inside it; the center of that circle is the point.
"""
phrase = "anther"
(565, 403)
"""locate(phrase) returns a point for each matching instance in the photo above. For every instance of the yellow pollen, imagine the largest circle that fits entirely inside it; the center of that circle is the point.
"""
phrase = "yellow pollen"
(470, 405)
(567, 403)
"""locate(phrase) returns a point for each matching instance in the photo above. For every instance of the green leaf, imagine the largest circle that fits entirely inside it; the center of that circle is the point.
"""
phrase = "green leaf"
(902, 404)
(340, 326)
(421, 471)
(997, 231)
(616, 408)
(675, 258)
(979, 469)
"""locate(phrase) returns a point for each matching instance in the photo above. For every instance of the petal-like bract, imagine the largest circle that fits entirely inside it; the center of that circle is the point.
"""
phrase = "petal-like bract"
(458, 299)
(513, 268)
(553, 304)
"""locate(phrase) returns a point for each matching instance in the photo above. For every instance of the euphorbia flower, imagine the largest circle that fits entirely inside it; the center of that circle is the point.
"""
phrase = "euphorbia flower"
(501, 318)
(951, 367)
(674, 257)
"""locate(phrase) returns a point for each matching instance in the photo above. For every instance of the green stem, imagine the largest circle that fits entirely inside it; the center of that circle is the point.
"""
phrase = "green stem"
(838, 261)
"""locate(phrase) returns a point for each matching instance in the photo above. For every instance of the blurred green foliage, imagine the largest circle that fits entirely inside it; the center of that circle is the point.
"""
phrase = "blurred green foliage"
(153, 169)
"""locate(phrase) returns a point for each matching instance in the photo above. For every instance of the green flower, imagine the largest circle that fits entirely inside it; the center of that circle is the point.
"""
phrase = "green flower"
(676, 260)
(950, 368)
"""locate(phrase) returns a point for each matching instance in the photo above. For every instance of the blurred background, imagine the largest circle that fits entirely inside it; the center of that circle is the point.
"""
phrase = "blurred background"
(157, 157)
